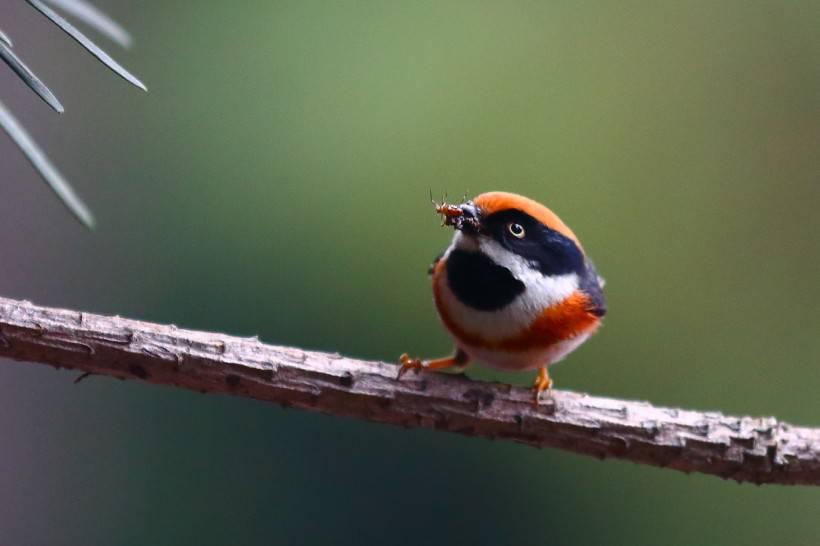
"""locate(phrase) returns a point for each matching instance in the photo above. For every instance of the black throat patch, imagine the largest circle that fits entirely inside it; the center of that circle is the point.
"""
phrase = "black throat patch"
(479, 282)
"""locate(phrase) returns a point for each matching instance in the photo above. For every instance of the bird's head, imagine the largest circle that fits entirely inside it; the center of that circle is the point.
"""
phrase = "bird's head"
(516, 233)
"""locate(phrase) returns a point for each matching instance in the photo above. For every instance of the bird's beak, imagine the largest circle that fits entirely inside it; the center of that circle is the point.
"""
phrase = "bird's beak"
(464, 217)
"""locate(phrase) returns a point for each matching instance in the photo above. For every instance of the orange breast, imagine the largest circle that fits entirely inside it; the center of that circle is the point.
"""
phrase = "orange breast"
(556, 323)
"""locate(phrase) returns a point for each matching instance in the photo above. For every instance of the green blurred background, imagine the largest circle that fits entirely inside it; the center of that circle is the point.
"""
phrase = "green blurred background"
(275, 182)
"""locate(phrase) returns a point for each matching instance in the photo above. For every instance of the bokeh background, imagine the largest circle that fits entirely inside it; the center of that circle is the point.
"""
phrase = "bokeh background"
(274, 181)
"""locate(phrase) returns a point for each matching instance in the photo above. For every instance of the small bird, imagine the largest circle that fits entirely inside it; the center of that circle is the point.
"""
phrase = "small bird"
(514, 289)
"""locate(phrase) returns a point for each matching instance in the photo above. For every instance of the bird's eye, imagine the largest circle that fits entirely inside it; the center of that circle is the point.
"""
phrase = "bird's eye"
(516, 230)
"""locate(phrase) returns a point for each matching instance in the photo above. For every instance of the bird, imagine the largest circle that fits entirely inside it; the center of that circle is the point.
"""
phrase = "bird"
(515, 288)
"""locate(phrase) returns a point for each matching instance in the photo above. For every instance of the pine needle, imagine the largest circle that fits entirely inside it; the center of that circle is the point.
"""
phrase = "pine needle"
(47, 171)
(80, 38)
(94, 18)
(28, 77)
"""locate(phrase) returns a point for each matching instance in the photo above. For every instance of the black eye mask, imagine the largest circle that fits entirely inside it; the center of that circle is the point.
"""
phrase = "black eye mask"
(547, 250)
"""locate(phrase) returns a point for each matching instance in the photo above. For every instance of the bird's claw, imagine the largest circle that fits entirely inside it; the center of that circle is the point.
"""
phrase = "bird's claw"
(408, 363)
(543, 382)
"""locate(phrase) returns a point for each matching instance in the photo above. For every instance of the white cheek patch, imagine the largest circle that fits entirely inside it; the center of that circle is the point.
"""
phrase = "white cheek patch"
(541, 292)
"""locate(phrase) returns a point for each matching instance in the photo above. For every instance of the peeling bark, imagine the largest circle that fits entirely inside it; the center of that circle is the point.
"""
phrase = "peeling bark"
(745, 449)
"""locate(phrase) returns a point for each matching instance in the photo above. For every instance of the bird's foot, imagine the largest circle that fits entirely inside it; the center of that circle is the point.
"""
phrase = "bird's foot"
(460, 359)
(408, 363)
(542, 383)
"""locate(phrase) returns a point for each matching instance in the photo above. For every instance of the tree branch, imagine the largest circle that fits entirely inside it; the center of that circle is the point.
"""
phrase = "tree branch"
(760, 450)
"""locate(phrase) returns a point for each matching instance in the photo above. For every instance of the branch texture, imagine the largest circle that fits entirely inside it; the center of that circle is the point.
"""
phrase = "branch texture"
(753, 449)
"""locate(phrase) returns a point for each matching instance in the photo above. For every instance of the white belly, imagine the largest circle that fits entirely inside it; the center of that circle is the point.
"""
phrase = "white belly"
(524, 360)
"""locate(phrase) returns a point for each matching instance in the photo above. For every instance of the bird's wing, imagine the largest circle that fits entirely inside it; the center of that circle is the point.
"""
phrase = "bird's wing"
(435, 262)
(592, 285)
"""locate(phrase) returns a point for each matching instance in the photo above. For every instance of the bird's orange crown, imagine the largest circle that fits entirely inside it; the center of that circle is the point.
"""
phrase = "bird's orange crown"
(495, 201)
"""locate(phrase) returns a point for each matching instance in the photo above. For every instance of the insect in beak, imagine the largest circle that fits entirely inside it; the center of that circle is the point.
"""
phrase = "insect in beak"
(463, 217)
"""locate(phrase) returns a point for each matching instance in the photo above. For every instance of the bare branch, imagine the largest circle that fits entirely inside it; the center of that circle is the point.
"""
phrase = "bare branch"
(759, 450)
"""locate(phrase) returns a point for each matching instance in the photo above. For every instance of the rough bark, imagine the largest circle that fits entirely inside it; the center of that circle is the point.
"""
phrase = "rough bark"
(753, 449)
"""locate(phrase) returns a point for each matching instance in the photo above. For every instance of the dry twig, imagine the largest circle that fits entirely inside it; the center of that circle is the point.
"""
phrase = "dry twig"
(760, 450)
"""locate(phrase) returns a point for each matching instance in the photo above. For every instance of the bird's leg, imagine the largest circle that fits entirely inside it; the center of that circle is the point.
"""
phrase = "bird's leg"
(459, 359)
(542, 383)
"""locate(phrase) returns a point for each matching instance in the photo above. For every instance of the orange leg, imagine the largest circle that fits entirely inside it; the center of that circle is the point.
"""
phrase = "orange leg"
(459, 359)
(542, 383)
